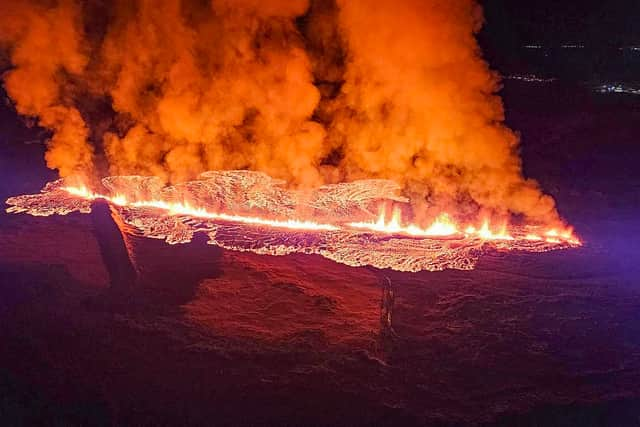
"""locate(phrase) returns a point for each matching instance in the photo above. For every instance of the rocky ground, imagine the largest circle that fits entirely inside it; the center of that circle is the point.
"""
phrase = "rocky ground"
(209, 337)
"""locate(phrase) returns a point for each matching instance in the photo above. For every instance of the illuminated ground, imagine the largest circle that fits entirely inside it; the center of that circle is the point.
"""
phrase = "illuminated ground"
(238, 338)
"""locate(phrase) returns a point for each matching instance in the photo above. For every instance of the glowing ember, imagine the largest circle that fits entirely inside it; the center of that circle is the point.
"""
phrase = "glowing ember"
(268, 219)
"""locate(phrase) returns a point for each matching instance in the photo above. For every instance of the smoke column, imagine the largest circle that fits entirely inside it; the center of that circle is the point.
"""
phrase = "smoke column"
(214, 86)
(309, 92)
(45, 44)
(418, 105)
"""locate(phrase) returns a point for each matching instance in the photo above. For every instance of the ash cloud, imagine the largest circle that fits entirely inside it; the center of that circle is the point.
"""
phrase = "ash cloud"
(309, 92)
(46, 51)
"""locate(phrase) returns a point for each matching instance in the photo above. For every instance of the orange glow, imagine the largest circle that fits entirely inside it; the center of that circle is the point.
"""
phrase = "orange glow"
(555, 236)
(173, 208)
(486, 233)
(442, 226)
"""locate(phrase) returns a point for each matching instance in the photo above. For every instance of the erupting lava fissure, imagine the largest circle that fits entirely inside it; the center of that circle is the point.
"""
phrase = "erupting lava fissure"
(323, 95)
(242, 210)
(312, 92)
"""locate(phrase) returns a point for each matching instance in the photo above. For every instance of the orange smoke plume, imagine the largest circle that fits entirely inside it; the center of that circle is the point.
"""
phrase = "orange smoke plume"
(418, 105)
(45, 45)
(308, 92)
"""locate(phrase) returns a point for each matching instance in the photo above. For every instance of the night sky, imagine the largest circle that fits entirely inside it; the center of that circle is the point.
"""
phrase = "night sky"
(603, 27)
(100, 326)
(549, 22)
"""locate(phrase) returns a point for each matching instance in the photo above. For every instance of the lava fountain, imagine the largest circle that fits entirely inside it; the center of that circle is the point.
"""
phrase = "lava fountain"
(249, 211)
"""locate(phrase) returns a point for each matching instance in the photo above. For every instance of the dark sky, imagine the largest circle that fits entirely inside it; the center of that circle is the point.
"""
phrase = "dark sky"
(601, 26)
(603, 22)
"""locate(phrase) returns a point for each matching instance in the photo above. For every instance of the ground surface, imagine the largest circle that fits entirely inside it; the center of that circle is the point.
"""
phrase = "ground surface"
(212, 337)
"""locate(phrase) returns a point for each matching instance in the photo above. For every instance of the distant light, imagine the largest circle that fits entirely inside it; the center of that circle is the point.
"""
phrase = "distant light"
(617, 88)
(530, 78)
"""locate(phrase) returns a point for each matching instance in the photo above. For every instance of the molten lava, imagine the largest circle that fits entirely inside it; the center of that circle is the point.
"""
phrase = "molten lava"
(441, 226)
(184, 208)
(243, 210)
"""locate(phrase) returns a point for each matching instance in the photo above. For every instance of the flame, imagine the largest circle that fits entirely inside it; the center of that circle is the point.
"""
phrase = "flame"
(174, 214)
(485, 232)
(175, 208)
(442, 226)
(555, 236)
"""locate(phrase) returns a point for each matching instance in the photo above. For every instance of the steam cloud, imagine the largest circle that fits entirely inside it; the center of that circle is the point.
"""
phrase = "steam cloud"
(309, 92)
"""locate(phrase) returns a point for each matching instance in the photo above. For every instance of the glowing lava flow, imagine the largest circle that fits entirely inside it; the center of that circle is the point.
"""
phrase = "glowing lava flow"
(249, 211)
(443, 225)
(173, 208)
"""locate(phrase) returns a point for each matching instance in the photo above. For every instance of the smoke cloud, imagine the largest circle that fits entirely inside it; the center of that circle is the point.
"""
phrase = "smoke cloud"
(46, 51)
(310, 92)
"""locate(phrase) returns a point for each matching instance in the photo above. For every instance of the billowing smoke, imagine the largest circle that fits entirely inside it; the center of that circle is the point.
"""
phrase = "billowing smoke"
(326, 91)
(219, 86)
(418, 105)
(45, 43)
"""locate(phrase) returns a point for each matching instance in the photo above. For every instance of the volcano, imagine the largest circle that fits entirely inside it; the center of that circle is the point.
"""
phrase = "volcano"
(104, 325)
(316, 213)
(223, 204)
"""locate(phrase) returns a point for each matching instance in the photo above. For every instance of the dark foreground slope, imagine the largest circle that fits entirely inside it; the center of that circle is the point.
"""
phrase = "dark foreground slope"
(208, 337)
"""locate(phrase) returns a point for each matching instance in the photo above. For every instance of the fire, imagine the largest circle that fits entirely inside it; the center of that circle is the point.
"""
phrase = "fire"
(442, 226)
(173, 208)
(533, 237)
(445, 226)
(389, 240)
(197, 137)
(485, 232)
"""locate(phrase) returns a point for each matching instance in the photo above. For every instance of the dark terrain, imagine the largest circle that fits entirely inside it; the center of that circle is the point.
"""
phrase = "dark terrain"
(208, 337)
